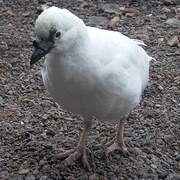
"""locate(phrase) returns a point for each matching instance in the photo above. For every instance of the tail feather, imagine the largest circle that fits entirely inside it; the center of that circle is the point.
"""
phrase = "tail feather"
(139, 42)
(151, 58)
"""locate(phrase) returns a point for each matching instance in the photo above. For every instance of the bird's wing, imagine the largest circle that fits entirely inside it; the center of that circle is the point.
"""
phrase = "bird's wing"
(114, 44)
(119, 56)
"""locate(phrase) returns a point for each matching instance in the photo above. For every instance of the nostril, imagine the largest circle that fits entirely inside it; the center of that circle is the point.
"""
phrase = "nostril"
(35, 44)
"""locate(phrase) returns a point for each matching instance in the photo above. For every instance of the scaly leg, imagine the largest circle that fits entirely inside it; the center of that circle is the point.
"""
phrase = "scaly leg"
(80, 151)
(118, 141)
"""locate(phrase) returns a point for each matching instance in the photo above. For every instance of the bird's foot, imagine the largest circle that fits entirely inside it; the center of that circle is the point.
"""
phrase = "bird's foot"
(70, 156)
(116, 145)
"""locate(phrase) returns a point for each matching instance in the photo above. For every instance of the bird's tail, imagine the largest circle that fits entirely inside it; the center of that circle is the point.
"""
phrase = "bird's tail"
(141, 43)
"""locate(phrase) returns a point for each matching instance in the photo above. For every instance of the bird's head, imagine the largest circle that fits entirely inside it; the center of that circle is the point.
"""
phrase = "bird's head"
(55, 29)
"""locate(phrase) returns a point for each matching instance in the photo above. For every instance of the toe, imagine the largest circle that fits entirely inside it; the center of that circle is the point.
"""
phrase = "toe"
(112, 147)
(117, 146)
(85, 162)
(64, 155)
(73, 157)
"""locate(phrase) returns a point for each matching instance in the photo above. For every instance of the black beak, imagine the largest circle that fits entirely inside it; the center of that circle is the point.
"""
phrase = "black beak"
(41, 48)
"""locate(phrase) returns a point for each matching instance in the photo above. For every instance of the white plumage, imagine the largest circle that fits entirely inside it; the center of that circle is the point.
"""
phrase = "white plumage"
(90, 71)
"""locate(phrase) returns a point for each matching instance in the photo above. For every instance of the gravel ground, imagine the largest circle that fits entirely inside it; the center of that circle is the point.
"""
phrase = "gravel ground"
(32, 126)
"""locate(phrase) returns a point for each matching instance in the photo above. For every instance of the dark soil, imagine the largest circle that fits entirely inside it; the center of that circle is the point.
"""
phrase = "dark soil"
(33, 128)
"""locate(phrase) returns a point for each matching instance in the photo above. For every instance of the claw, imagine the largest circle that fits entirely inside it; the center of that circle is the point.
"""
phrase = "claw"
(116, 146)
(86, 163)
(72, 155)
(78, 153)
(118, 141)
(64, 155)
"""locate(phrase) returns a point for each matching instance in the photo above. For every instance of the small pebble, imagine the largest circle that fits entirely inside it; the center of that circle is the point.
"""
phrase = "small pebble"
(93, 177)
(3, 163)
(42, 162)
(42, 1)
(30, 177)
(153, 166)
(160, 88)
(166, 10)
(50, 132)
(83, 177)
(23, 171)
(173, 22)
(48, 146)
(26, 14)
(137, 151)
(43, 178)
(158, 105)
(163, 17)
(1, 100)
(45, 116)
(177, 157)
(10, 92)
(110, 174)
(175, 176)
(167, 2)
(97, 20)
(168, 138)
(4, 175)
(162, 175)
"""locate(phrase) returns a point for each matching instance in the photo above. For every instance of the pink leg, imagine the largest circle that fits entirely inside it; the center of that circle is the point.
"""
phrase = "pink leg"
(80, 152)
(118, 141)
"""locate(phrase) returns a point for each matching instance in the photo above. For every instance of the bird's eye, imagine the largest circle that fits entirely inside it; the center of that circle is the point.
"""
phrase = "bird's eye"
(58, 34)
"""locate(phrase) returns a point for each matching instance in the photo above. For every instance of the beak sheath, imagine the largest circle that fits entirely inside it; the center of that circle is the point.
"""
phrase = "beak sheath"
(36, 55)
(41, 48)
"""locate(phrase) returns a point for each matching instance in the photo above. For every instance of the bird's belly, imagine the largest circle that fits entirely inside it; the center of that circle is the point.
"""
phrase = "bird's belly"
(83, 97)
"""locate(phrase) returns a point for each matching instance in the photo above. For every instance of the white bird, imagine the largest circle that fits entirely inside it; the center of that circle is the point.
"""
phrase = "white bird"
(91, 72)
